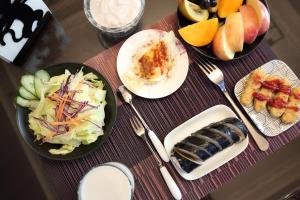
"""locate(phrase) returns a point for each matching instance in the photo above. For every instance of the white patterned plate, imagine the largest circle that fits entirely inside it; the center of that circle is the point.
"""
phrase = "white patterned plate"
(267, 124)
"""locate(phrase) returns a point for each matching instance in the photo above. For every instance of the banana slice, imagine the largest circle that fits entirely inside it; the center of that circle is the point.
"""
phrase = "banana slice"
(192, 11)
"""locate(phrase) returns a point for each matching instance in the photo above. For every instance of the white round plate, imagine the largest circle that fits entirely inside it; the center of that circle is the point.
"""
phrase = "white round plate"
(160, 89)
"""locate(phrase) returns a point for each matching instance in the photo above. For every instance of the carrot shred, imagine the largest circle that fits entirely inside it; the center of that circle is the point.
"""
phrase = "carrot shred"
(69, 122)
(58, 110)
(56, 97)
(62, 103)
(62, 100)
(61, 109)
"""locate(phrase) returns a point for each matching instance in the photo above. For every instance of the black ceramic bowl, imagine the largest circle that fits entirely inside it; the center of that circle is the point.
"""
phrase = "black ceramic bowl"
(207, 50)
(110, 117)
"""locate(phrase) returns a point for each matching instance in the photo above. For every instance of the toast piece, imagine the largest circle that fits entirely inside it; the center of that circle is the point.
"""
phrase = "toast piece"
(277, 106)
(251, 86)
(292, 112)
(264, 94)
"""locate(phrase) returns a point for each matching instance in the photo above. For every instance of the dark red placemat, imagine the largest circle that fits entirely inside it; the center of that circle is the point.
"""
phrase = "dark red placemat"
(195, 96)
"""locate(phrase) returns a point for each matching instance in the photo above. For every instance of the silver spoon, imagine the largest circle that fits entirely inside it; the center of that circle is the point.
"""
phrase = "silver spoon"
(127, 96)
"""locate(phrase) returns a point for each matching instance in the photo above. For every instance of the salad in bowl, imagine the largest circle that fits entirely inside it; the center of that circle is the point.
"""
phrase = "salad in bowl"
(67, 109)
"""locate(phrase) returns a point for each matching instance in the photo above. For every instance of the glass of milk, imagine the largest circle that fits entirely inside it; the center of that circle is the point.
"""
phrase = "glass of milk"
(115, 19)
(110, 181)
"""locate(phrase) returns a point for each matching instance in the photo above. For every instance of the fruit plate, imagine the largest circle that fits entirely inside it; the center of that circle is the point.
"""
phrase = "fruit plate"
(267, 124)
(213, 114)
(82, 150)
(207, 50)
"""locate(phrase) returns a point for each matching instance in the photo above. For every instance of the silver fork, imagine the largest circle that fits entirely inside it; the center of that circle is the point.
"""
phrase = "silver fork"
(127, 97)
(217, 77)
(140, 131)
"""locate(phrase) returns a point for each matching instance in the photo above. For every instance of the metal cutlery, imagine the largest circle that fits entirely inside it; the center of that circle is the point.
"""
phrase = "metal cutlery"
(217, 77)
(140, 131)
(127, 96)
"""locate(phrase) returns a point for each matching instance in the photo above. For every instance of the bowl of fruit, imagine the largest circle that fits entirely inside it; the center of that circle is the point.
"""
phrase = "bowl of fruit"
(223, 29)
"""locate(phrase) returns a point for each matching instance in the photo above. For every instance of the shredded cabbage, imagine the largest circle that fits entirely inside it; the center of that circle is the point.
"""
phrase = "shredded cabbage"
(84, 119)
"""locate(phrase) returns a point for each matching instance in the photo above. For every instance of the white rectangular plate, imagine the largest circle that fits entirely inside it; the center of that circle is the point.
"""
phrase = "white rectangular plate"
(267, 124)
(211, 115)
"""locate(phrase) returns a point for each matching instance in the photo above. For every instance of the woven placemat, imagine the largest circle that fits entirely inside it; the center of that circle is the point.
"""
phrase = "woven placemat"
(195, 96)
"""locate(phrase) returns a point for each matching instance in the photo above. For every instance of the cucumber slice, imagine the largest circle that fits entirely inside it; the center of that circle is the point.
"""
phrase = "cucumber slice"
(27, 82)
(41, 78)
(43, 75)
(38, 85)
(26, 103)
(26, 94)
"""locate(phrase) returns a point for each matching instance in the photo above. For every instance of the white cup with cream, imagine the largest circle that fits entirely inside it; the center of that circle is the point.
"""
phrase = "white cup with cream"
(114, 18)
(110, 181)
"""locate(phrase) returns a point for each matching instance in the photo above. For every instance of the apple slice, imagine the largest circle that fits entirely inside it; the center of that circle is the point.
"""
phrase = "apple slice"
(235, 31)
(262, 14)
(266, 20)
(250, 22)
(255, 5)
(220, 45)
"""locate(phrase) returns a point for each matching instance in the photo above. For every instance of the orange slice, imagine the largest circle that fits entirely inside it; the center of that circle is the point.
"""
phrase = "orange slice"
(226, 7)
(200, 33)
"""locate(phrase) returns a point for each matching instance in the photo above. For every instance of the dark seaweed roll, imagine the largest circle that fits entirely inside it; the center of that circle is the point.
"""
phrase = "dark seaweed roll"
(238, 126)
(226, 130)
(222, 139)
(211, 146)
(206, 142)
(185, 164)
(199, 151)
